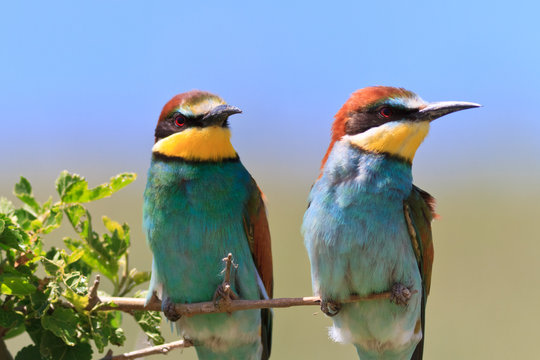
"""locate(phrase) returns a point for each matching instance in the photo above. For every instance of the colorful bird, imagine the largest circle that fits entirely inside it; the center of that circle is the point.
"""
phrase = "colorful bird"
(367, 227)
(200, 204)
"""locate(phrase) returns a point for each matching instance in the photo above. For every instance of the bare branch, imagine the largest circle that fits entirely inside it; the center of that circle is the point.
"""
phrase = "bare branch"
(93, 298)
(160, 349)
(209, 307)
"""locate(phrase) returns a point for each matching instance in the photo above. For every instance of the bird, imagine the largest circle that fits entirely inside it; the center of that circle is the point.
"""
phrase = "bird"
(367, 228)
(200, 203)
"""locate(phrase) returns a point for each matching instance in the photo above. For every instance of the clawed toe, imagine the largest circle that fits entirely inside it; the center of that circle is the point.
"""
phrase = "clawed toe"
(330, 307)
(224, 292)
(169, 310)
(400, 294)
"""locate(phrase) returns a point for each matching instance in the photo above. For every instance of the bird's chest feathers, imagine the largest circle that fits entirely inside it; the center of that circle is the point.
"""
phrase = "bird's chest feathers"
(190, 193)
(360, 196)
(206, 144)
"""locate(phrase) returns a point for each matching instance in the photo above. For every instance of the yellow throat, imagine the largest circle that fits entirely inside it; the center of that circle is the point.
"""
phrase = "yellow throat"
(396, 138)
(211, 143)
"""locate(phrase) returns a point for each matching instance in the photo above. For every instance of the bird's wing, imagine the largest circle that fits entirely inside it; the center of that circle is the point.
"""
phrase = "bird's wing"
(419, 209)
(258, 235)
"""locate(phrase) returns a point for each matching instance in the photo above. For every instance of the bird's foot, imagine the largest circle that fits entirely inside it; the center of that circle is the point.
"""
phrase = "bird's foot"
(330, 307)
(225, 293)
(400, 294)
(169, 310)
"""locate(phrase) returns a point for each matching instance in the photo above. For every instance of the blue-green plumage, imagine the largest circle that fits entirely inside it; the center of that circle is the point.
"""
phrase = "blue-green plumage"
(193, 216)
(367, 228)
(358, 243)
(200, 204)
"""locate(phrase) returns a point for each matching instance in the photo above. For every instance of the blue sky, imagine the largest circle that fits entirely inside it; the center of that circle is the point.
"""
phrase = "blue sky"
(82, 84)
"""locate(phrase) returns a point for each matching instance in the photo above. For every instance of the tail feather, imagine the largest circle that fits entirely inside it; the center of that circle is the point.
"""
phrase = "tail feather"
(418, 353)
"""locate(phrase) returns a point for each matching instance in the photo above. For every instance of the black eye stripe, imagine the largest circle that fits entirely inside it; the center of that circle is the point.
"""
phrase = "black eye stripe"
(362, 121)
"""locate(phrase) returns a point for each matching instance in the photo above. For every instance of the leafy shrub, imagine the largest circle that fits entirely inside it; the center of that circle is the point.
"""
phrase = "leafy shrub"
(45, 290)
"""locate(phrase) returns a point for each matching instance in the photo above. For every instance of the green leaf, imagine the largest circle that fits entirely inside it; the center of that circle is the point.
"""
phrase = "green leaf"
(30, 352)
(12, 284)
(53, 262)
(76, 290)
(6, 206)
(73, 188)
(76, 282)
(24, 219)
(93, 259)
(76, 215)
(149, 322)
(119, 181)
(2, 226)
(12, 237)
(23, 190)
(62, 323)
(113, 226)
(40, 301)
(53, 348)
(68, 184)
(10, 318)
(75, 256)
(104, 328)
(52, 220)
(16, 331)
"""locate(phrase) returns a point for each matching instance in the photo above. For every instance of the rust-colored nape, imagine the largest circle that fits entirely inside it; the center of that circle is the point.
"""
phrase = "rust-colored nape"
(358, 101)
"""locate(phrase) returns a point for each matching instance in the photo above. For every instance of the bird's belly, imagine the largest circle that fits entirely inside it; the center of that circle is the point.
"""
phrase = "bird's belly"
(363, 250)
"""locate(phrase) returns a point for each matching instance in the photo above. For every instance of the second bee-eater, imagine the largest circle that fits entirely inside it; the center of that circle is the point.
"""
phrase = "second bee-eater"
(367, 228)
(200, 204)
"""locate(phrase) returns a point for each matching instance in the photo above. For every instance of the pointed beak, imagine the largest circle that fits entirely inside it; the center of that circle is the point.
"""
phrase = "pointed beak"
(437, 109)
(219, 114)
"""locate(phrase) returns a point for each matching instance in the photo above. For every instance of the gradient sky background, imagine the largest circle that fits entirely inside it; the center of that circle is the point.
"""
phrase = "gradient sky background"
(82, 85)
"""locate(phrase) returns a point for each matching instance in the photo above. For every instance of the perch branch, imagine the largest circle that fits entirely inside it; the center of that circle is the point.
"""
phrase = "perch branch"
(209, 307)
(160, 349)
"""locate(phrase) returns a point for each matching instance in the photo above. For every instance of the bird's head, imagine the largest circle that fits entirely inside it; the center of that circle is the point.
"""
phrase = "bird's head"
(388, 120)
(194, 126)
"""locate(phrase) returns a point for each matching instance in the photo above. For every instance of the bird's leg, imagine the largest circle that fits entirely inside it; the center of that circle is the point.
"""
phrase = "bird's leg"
(330, 307)
(169, 310)
(400, 294)
(224, 291)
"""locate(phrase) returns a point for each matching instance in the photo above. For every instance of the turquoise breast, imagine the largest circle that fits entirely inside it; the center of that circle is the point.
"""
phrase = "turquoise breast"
(358, 243)
(193, 217)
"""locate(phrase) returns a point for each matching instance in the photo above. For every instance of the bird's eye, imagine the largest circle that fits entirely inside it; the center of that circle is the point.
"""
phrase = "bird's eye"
(385, 112)
(179, 120)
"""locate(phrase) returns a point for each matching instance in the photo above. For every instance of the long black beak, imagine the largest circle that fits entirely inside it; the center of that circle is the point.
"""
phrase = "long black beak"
(219, 114)
(437, 109)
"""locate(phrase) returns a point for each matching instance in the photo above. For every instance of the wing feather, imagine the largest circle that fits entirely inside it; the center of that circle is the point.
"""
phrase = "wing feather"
(258, 235)
(419, 211)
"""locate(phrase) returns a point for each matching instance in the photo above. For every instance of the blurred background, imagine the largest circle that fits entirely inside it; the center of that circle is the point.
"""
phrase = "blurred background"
(82, 85)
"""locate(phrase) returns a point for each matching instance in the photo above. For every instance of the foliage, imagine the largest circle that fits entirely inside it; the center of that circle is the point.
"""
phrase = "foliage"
(45, 290)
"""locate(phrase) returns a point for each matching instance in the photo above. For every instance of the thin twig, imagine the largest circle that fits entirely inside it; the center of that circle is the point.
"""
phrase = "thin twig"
(160, 349)
(209, 307)
(93, 298)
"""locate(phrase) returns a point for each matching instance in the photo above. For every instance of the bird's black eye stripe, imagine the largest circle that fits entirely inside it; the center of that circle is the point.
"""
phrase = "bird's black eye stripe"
(395, 111)
(189, 121)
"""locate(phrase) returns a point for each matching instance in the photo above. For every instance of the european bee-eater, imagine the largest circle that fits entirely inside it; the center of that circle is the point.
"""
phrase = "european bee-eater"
(200, 204)
(368, 228)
